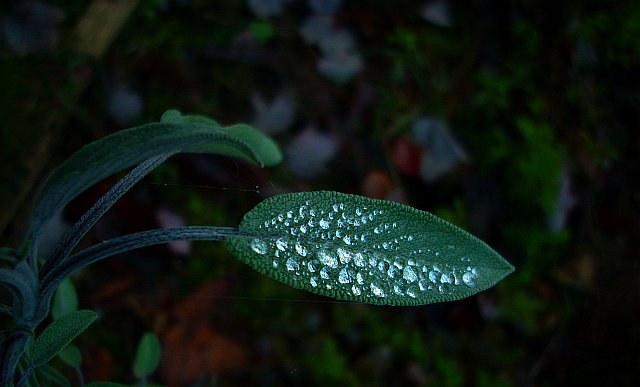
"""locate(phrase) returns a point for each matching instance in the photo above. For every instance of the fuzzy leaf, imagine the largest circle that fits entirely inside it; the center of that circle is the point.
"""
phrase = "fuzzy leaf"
(148, 356)
(71, 356)
(373, 251)
(59, 334)
(129, 147)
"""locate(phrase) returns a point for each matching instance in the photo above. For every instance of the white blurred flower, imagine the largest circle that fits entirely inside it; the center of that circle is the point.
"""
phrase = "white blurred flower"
(31, 26)
(316, 28)
(274, 117)
(437, 12)
(325, 7)
(125, 105)
(442, 151)
(340, 68)
(565, 201)
(340, 60)
(167, 219)
(308, 153)
(267, 8)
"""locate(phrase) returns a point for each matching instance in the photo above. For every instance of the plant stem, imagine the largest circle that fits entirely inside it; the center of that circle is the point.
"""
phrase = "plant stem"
(12, 349)
(95, 213)
(126, 243)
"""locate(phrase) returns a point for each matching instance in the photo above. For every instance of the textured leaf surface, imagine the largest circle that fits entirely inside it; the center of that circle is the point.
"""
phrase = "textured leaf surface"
(129, 147)
(59, 334)
(354, 248)
(148, 356)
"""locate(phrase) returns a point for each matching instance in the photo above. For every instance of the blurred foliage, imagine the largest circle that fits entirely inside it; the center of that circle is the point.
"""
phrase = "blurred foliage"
(527, 88)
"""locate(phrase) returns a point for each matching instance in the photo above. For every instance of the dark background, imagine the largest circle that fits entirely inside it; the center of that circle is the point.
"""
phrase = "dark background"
(516, 120)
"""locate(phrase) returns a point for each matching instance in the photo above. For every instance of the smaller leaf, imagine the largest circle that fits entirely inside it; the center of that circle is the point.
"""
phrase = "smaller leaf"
(59, 334)
(71, 356)
(65, 300)
(148, 356)
(49, 376)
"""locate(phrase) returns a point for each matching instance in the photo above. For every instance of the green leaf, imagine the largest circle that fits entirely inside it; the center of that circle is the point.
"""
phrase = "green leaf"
(129, 147)
(51, 377)
(65, 300)
(59, 335)
(261, 144)
(354, 248)
(148, 356)
(71, 356)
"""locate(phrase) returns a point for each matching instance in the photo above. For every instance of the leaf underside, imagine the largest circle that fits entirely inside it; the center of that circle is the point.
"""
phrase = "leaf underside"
(123, 149)
(365, 250)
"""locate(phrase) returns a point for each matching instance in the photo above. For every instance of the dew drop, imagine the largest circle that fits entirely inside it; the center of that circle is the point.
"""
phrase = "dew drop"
(313, 266)
(311, 223)
(259, 246)
(280, 217)
(412, 291)
(324, 273)
(344, 255)
(377, 290)
(313, 281)
(303, 229)
(324, 224)
(292, 264)
(383, 266)
(347, 239)
(377, 230)
(470, 279)
(344, 277)
(335, 208)
(360, 278)
(281, 244)
(434, 276)
(392, 272)
(409, 274)
(446, 278)
(356, 290)
(398, 290)
(424, 285)
(358, 211)
(312, 212)
(327, 259)
(275, 264)
(359, 260)
(329, 286)
(300, 249)
(445, 288)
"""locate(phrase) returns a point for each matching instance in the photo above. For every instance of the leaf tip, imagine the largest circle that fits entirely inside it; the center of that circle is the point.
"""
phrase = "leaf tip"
(171, 115)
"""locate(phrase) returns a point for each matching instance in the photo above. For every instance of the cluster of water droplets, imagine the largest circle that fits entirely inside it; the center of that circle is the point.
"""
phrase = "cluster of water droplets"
(358, 250)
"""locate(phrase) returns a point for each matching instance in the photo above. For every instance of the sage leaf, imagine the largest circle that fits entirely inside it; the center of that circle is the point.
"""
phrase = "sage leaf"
(71, 356)
(59, 335)
(129, 147)
(366, 250)
(49, 376)
(147, 356)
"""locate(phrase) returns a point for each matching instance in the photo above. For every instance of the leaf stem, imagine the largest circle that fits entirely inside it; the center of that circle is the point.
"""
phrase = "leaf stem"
(103, 205)
(130, 242)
